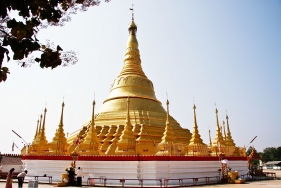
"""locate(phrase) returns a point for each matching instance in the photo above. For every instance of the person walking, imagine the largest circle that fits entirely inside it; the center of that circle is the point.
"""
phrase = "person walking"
(9, 180)
(79, 173)
(21, 177)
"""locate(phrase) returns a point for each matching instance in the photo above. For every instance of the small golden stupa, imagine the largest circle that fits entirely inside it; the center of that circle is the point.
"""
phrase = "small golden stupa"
(132, 121)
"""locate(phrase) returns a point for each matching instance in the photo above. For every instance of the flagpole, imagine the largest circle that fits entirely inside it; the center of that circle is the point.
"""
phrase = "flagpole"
(26, 144)
(251, 141)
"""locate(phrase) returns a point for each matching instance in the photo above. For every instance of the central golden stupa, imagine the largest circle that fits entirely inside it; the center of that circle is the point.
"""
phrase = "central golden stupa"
(131, 121)
(145, 115)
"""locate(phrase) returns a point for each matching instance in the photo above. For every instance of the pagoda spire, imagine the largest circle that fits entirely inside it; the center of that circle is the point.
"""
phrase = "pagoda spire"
(195, 139)
(42, 136)
(61, 117)
(127, 138)
(229, 137)
(93, 114)
(40, 124)
(168, 135)
(60, 136)
(59, 143)
(40, 146)
(210, 140)
(132, 61)
(219, 138)
(90, 144)
(224, 133)
(44, 120)
(36, 132)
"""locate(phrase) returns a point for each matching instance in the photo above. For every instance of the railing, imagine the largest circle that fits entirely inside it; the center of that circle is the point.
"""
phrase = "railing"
(265, 175)
(193, 181)
(101, 178)
(122, 181)
(103, 181)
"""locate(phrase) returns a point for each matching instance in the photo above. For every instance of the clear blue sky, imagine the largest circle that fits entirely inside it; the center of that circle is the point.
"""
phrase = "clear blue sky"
(223, 52)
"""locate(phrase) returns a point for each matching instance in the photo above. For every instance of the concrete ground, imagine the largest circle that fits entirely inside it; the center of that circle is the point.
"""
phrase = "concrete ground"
(249, 184)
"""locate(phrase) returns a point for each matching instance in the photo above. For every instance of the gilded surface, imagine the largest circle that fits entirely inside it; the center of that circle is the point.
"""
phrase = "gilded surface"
(132, 121)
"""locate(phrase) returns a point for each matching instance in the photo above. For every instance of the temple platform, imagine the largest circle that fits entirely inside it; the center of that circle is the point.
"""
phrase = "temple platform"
(133, 167)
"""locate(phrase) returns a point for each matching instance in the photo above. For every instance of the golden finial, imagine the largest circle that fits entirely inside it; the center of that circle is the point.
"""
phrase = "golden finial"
(168, 119)
(226, 115)
(40, 124)
(61, 116)
(224, 132)
(63, 101)
(216, 108)
(132, 9)
(194, 107)
(44, 118)
(93, 113)
(94, 102)
(210, 140)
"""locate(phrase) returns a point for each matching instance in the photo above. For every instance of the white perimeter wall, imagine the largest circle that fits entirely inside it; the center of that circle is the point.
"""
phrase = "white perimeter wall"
(132, 169)
(7, 168)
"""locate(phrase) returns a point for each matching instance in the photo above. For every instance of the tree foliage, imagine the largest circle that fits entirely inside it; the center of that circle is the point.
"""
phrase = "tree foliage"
(268, 154)
(18, 33)
(272, 154)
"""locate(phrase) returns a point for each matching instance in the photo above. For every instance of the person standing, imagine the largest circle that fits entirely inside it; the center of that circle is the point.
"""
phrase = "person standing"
(21, 177)
(9, 180)
(71, 176)
(79, 173)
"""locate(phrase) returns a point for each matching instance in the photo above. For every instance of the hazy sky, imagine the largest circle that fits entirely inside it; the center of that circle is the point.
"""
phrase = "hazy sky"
(223, 52)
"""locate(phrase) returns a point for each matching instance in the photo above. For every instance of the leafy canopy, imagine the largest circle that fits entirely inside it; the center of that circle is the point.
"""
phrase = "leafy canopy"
(19, 36)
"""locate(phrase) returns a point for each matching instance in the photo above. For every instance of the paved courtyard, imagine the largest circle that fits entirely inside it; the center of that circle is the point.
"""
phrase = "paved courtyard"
(249, 184)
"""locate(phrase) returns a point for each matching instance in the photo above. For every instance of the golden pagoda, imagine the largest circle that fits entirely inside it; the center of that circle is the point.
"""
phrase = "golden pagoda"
(126, 142)
(231, 147)
(132, 121)
(40, 144)
(218, 144)
(166, 146)
(59, 145)
(134, 88)
(90, 144)
(196, 145)
(37, 130)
